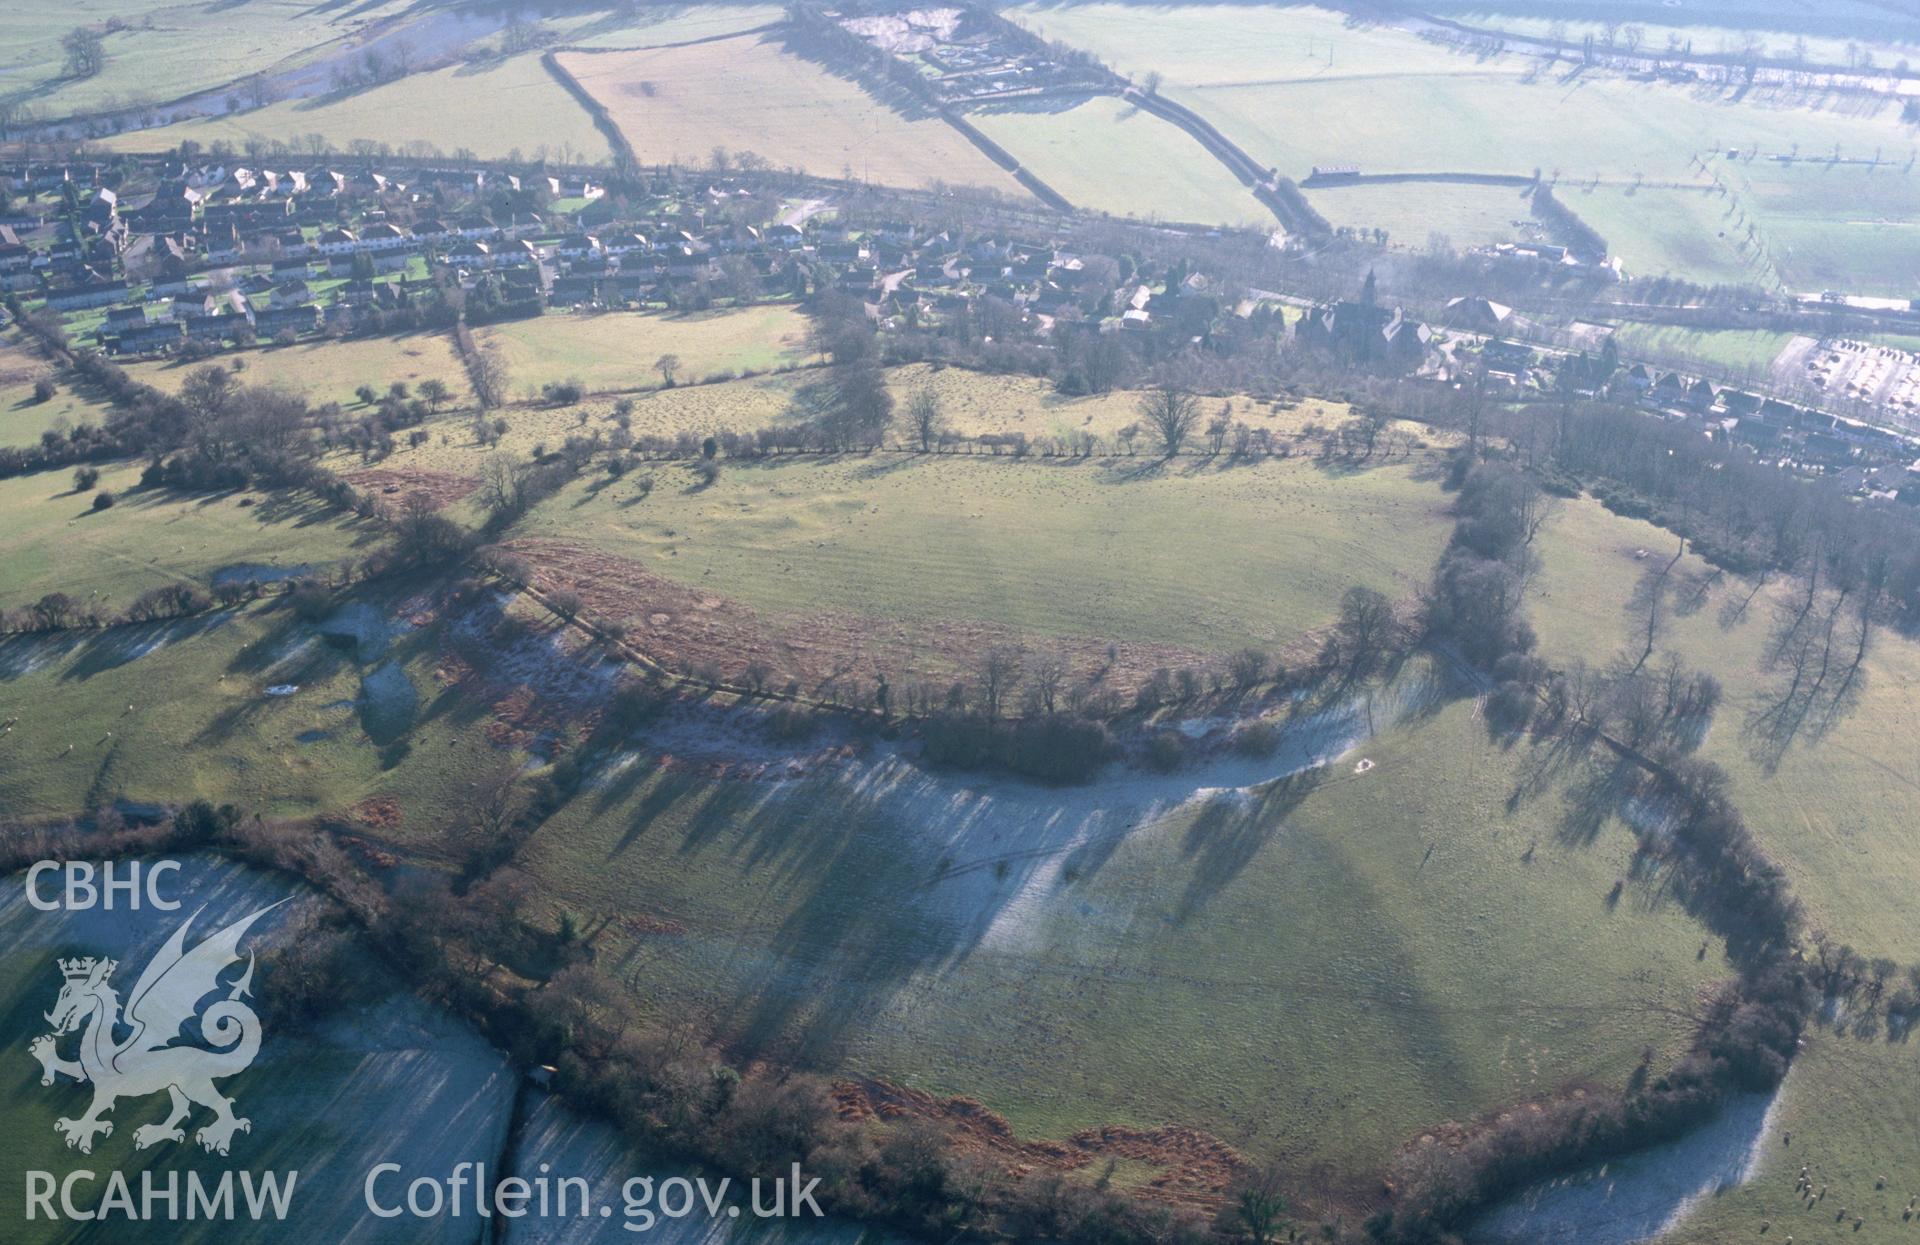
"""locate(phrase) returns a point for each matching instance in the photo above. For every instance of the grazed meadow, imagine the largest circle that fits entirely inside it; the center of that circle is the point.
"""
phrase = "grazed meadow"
(1312, 958)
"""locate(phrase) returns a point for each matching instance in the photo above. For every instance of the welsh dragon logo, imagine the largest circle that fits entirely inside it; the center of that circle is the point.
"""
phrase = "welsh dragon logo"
(132, 1055)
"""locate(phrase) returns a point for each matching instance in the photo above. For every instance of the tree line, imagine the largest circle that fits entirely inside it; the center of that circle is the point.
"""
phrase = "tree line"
(1750, 1029)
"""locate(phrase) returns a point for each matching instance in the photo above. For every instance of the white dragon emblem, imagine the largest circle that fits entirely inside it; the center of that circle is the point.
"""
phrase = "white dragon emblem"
(165, 998)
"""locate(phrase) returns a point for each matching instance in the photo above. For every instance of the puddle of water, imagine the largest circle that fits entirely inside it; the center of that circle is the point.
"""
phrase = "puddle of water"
(361, 628)
(387, 702)
(256, 573)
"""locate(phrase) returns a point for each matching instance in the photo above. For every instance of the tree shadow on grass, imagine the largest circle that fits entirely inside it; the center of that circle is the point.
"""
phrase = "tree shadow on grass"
(25, 653)
(1157, 466)
(114, 647)
(881, 465)
(1230, 830)
(1594, 796)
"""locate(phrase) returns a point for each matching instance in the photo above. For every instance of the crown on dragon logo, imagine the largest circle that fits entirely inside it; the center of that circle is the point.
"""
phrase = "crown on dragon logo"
(165, 998)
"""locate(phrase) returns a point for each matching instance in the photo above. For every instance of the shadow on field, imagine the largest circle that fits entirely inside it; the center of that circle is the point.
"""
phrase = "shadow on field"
(22, 654)
(113, 647)
(1228, 833)
(854, 938)
(881, 873)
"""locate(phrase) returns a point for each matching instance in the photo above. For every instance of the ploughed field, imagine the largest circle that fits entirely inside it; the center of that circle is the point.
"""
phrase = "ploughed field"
(746, 96)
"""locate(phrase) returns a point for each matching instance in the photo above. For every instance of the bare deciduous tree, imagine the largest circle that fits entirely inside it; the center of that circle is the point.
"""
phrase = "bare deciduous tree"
(924, 417)
(1045, 678)
(86, 51)
(999, 673)
(1171, 413)
(1366, 631)
(490, 377)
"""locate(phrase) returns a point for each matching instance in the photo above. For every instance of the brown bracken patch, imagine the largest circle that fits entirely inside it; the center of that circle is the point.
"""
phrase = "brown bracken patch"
(522, 718)
(654, 926)
(444, 487)
(1193, 1168)
(381, 812)
(367, 853)
(691, 630)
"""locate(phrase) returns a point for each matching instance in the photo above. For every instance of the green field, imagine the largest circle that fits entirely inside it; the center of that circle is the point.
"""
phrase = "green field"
(201, 725)
(1218, 44)
(325, 371)
(1726, 352)
(972, 404)
(677, 105)
(1610, 128)
(1833, 805)
(617, 350)
(168, 49)
(1834, 808)
(165, 50)
(1393, 921)
(1390, 102)
(53, 541)
(1195, 556)
(23, 417)
(1412, 213)
(1853, 1107)
(651, 27)
(1807, 226)
(1107, 155)
(1314, 970)
(1842, 227)
(508, 109)
(1712, 27)
(1684, 233)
